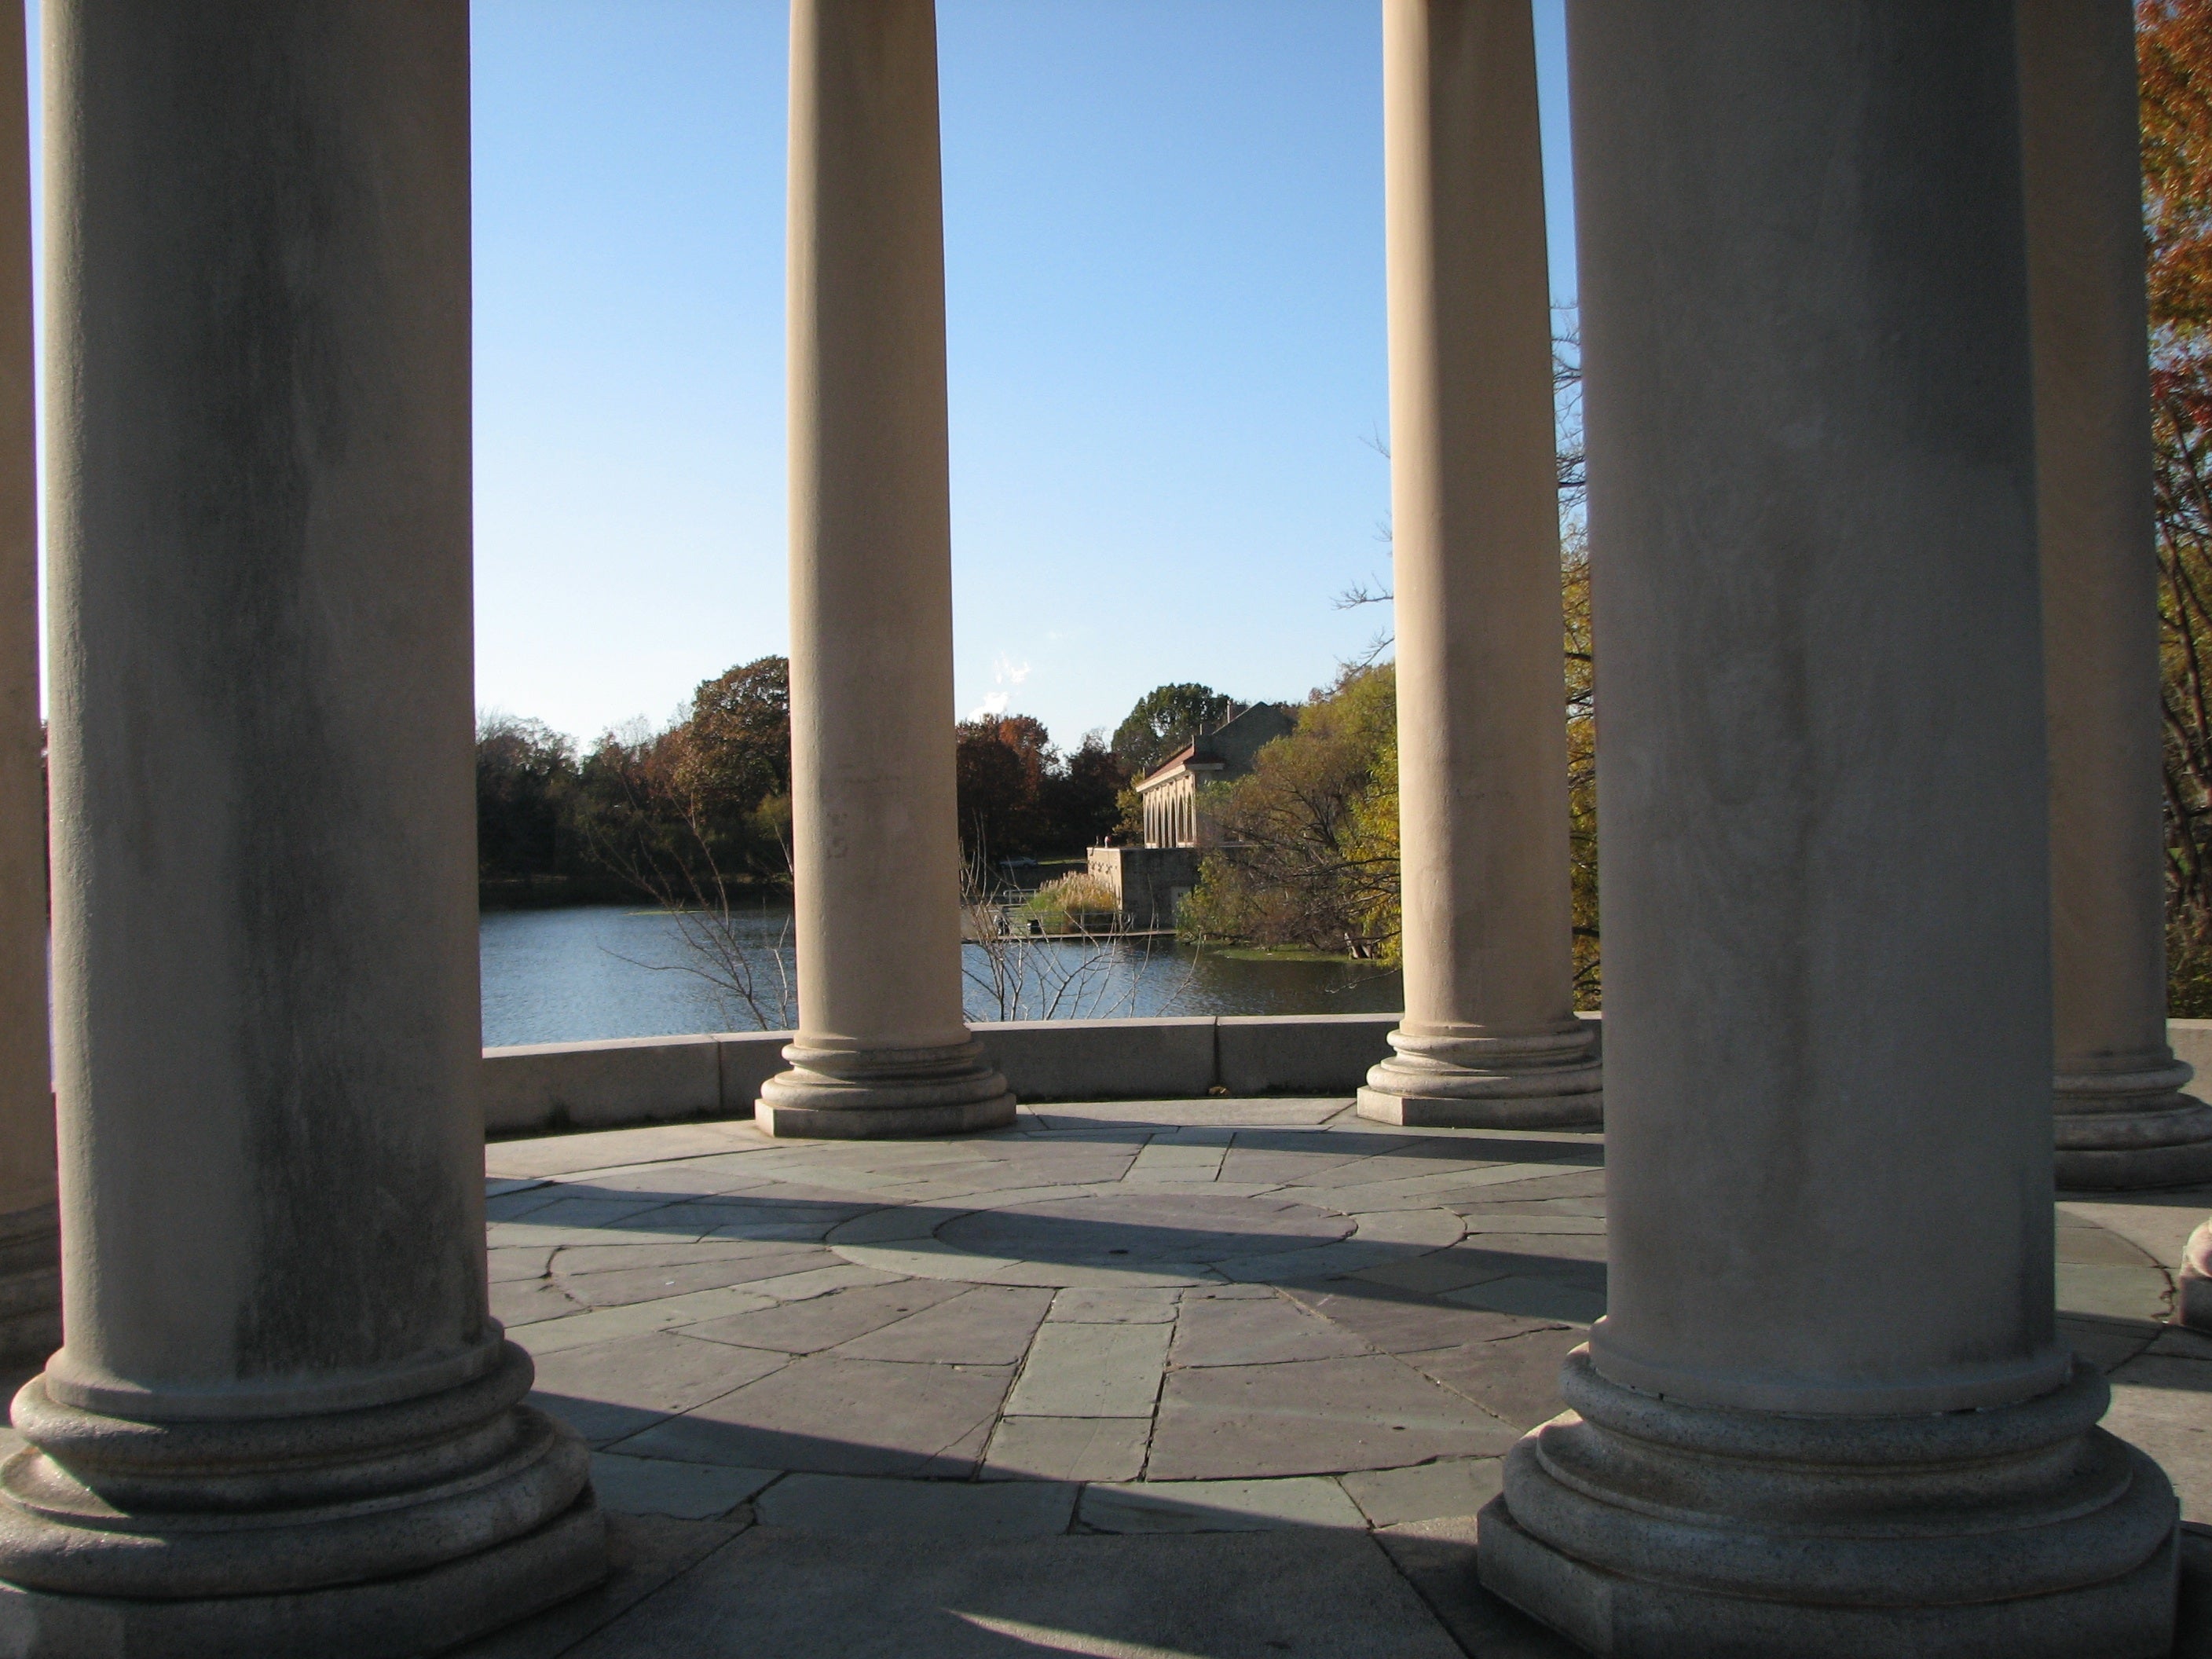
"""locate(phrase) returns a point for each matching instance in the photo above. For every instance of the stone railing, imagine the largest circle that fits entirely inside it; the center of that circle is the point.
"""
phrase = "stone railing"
(603, 1085)
(599, 1086)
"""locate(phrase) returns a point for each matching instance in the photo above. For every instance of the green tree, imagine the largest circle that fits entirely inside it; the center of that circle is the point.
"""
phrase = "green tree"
(526, 783)
(1309, 837)
(1165, 718)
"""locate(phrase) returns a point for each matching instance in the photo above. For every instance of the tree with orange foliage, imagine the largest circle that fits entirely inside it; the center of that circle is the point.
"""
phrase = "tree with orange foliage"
(2173, 41)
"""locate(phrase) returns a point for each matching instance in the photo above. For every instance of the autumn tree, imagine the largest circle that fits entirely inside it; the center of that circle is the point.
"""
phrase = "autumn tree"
(1308, 852)
(2174, 64)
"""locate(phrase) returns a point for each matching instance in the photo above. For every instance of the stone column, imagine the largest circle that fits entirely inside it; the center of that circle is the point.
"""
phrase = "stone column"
(282, 1422)
(2122, 1120)
(1827, 1414)
(30, 1245)
(1490, 1036)
(882, 1049)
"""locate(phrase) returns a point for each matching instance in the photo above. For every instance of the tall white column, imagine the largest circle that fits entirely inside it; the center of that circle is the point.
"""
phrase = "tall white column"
(1490, 1036)
(2121, 1120)
(1826, 1413)
(283, 1423)
(882, 1049)
(30, 1244)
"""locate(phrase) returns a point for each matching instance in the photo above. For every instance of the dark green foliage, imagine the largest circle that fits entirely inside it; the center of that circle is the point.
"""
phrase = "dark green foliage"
(1165, 720)
(1020, 797)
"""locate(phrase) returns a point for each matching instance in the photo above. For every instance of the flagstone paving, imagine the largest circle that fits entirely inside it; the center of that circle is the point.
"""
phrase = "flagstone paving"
(1048, 1345)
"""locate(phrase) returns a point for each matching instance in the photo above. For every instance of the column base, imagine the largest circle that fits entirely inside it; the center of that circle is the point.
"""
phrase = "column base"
(1646, 1530)
(866, 1094)
(2194, 1281)
(30, 1284)
(373, 1532)
(2128, 1127)
(420, 1614)
(1545, 1079)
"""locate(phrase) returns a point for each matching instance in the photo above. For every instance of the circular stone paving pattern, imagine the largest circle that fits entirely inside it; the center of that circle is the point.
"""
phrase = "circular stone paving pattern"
(1129, 1229)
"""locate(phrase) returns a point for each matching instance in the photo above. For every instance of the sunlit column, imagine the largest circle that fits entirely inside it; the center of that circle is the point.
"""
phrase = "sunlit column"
(881, 1048)
(283, 1422)
(1490, 1035)
(30, 1275)
(2122, 1120)
(1827, 1411)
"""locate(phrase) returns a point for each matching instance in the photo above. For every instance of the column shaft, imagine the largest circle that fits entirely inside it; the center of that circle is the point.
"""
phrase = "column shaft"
(2121, 1120)
(1490, 1035)
(882, 1049)
(1826, 1413)
(30, 1258)
(283, 1423)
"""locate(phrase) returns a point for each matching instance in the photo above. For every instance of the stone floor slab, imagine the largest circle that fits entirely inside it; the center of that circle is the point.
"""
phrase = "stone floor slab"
(585, 1330)
(1515, 1379)
(859, 1507)
(612, 1389)
(645, 1554)
(2165, 1406)
(1067, 1448)
(813, 1323)
(1312, 1417)
(1082, 1305)
(1426, 1491)
(835, 1416)
(1400, 1322)
(688, 1492)
(1437, 1558)
(1546, 1297)
(516, 1303)
(1250, 1332)
(1091, 1370)
(792, 1594)
(2114, 1292)
(596, 1283)
(1184, 1506)
(987, 1325)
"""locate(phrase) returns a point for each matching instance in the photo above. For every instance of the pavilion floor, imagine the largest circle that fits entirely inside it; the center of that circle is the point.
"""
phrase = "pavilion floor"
(1217, 1378)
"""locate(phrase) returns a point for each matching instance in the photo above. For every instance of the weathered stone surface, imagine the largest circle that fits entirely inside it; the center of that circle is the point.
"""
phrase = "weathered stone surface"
(1219, 1506)
(644, 1553)
(1400, 1322)
(989, 1325)
(1426, 1491)
(2163, 1405)
(1067, 1448)
(1082, 1305)
(1091, 1370)
(1516, 1379)
(842, 1417)
(1438, 1558)
(1312, 1417)
(689, 1492)
(611, 1389)
(783, 1592)
(1256, 1332)
(939, 1510)
(812, 1323)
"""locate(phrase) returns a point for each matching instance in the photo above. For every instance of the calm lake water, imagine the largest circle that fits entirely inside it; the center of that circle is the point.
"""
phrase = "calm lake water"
(610, 971)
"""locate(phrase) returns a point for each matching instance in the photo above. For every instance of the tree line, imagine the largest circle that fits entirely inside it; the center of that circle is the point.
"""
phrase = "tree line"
(683, 813)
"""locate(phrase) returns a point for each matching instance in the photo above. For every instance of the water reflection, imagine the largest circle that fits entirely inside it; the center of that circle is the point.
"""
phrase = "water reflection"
(608, 971)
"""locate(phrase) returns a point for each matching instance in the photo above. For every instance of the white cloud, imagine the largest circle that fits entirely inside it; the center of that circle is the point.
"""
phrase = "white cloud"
(992, 706)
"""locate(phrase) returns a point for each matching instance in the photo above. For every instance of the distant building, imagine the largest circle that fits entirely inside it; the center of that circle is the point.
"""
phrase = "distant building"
(1171, 792)
(1153, 880)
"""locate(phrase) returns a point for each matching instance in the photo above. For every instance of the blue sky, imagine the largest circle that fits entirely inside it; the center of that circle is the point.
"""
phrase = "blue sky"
(1164, 270)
